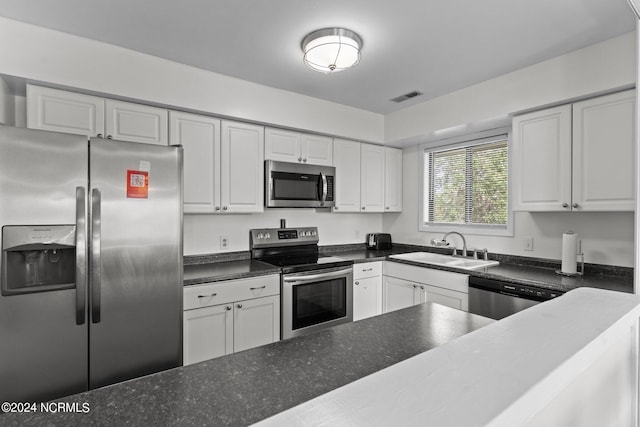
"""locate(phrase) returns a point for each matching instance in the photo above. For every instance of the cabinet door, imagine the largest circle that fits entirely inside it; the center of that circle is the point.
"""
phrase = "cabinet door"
(256, 322)
(346, 159)
(242, 167)
(367, 297)
(282, 145)
(127, 121)
(603, 153)
(200, 138)
(207, 333)
(397, 294)
(61, 111)
(393, 180)
(447, 297)
(316, 150)
(372, 178)
(542, 160)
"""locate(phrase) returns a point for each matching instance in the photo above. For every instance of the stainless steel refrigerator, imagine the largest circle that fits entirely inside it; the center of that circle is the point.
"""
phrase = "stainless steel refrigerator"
(91, 265)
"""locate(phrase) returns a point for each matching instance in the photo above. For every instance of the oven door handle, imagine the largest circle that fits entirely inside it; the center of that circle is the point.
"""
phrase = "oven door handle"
(310, 278)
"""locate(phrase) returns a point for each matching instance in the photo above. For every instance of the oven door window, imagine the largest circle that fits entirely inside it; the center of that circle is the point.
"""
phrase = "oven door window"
(319, 302)
(295, 186)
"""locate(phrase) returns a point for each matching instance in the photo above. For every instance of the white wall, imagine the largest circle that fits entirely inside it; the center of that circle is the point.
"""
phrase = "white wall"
(601, 67)
(6, 104)
(607, 238)
(202, 232)
(36, 53)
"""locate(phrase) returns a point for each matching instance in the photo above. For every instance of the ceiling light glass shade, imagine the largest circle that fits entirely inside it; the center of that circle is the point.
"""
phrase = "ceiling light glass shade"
(331, 49)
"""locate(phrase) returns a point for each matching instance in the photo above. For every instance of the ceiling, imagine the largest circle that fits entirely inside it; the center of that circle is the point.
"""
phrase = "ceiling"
(432, 46)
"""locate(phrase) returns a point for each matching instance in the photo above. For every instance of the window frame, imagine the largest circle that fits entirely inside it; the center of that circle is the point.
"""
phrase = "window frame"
(464, 141)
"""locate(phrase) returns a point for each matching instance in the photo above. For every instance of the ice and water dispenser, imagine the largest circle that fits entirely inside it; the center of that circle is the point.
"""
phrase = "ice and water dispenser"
(37, 258)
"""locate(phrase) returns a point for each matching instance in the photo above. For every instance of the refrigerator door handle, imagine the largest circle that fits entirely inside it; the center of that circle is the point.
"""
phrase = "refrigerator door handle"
(81, 255)
(96, 266)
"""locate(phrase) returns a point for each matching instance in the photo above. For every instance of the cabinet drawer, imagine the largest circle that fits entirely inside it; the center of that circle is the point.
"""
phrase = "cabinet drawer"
(227, 291)
(367, 269)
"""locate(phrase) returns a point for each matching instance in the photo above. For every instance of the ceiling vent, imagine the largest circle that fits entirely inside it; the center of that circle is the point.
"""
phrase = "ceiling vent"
(406, 96)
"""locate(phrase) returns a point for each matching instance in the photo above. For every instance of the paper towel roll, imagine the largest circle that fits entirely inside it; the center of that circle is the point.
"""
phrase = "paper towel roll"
(569, 253)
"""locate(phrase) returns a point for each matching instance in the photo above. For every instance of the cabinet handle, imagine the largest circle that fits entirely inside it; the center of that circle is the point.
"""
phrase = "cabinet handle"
(217, 208)
(259, 287)
(239, 305)
(357, 283)
(99, 135)
(109, 137)
(228, 307)
(422, 287)
(304, 160)
(224, 208)
(299, 159)
(364, 207)
(387, 208)
(565, 205)
(415, 286)
(575, 205)
(207, 296)
(367, 269)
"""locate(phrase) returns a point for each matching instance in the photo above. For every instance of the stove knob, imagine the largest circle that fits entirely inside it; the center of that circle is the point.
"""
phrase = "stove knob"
(303, 233)
(314, 233)
(260, 236)
(267, 236)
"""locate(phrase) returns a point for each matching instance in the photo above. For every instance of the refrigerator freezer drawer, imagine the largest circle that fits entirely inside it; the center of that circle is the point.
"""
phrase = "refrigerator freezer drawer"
(227, 291)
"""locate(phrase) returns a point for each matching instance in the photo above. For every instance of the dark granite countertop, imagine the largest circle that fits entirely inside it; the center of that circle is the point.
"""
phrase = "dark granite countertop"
(518, 270)
(248, 386)
(212, 272)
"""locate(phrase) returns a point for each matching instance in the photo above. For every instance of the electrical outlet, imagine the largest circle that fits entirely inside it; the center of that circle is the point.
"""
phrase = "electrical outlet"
(224, 242)
(528, 243)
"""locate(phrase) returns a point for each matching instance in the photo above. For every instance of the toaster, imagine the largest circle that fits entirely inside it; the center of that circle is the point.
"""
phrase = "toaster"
(378, 241)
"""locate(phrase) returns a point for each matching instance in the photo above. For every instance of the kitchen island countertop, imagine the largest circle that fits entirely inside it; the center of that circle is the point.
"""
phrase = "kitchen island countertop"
(249, 386)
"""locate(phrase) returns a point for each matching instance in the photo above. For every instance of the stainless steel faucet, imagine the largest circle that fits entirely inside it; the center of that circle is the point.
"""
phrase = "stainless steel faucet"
(444, 240)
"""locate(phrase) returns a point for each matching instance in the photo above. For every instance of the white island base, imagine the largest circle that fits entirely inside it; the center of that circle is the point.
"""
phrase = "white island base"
(572, 361)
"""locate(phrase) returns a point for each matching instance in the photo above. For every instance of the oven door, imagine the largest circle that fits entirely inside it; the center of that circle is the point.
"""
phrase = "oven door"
(316, 300)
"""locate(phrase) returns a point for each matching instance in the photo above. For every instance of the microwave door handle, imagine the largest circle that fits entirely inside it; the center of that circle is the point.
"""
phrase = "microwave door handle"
(324, 187)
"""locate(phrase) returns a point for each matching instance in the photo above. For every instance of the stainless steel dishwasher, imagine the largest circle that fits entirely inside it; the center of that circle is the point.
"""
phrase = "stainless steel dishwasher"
(497, 299)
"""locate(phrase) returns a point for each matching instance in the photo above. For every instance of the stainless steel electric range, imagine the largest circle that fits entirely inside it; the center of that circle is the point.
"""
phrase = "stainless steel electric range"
(316, 291)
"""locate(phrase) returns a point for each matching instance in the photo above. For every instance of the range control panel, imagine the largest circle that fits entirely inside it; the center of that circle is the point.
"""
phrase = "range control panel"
(271, 237)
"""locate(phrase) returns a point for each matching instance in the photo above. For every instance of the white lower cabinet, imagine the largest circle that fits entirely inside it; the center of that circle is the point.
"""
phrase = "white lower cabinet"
(367, 290)
(228, 316)
(407, 285)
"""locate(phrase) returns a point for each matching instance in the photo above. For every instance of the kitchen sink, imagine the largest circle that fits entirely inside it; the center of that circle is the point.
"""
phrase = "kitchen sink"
(445, 260)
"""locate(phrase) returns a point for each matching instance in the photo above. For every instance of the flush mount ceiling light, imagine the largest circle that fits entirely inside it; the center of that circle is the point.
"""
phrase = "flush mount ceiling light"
(330, 50)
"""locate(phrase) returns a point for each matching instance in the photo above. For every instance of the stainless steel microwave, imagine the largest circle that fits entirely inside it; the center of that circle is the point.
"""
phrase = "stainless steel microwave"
(298, 185)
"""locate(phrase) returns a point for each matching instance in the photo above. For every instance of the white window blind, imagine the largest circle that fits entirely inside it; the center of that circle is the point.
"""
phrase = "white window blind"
(467, 183)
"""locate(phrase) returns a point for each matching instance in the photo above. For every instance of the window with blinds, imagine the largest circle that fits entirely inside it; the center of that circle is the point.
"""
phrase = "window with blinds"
(467, 184)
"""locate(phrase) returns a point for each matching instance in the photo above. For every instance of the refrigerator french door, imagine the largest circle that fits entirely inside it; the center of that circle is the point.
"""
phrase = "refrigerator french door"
(91, 265)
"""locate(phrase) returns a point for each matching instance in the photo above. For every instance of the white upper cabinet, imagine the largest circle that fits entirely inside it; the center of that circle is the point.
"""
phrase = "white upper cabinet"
(296, 147)
(603, 153)
(200, 139)
(126, 121)
(542, 159)
(62, 111)
(346, 159)
(372, 178)
(223, 164)
(242, 167)
(392, 179)
(368, 177)
(576, 157)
